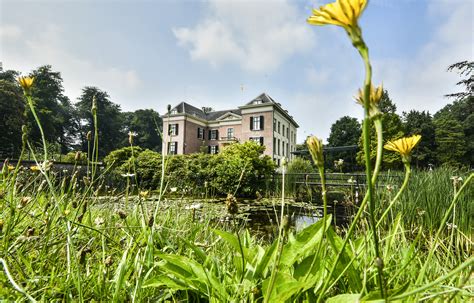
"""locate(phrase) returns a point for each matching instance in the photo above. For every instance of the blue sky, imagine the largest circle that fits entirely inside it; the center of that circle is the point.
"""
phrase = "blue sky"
(147, 54)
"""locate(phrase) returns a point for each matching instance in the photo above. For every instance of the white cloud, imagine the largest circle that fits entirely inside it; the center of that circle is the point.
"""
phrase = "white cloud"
(25, 53)
(9, 31)
(421, 83)
(258, 35)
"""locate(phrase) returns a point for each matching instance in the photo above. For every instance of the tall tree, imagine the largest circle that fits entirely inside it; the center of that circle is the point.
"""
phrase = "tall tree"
(421, 123)
(345, 131)
(146, 123)
(12, 107)
(111, 127)
(451, 141)
(392, 129)
(463, 68)
(53, 108)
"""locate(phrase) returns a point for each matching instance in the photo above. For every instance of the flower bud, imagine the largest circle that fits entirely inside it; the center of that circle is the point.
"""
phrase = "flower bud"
(77, 157)
(94, 105)
(89, 136)
(315, 147)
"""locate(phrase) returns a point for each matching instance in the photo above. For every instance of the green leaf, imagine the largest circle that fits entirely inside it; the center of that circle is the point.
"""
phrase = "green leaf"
(345, 298)
(262, 264)
(234, 242)
(284, 288)
(346, 261)
(303, 244)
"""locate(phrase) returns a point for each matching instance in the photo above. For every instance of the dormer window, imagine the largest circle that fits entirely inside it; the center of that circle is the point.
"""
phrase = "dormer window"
(174, 111)
(257, 101)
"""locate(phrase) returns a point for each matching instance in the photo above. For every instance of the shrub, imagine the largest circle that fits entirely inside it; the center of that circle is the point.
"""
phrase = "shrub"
(242, 168)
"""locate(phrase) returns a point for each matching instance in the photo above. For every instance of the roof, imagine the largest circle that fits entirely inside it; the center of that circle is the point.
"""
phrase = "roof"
(263, 98)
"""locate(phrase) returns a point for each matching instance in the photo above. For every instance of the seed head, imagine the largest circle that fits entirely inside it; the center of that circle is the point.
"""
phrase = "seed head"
(231, 203)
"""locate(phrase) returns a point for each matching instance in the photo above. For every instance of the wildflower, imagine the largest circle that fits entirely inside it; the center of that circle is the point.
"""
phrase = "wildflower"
(351, 180)
(77, 156)
(375, 96)
(389, 188)
(122, 214)
(344, 13)
(231, 203)
(403, 146)
(24, 201)
(128, 175)
(35, 168)
(451, 226)
(108, 261)
(315, 147)
(130, 136)
(11, 167)
(144, 194)
(456, 180)
(89, 136)
(26, 83)
(99, 221)
(194, 206)
(173, 189)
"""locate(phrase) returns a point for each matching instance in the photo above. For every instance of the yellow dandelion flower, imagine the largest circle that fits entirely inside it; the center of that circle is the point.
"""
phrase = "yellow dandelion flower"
(403, 146)
(35, 168)
(343, 13)
(315, 146)
(26, 83)
(375, 97)
(11, 167)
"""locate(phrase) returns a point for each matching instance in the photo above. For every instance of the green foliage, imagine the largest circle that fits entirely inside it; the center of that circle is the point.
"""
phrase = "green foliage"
(241, 168)
(345, 131)
(392, 130)
(12, 107)
(122, 155)
(110, 120)
(146, 123)
(455, 125)
(53, 108)
(421, 123)
(450, 140)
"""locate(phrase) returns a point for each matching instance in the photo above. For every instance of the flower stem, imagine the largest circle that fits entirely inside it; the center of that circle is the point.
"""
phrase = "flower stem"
(33, 111)
(404, 185)
(364, 52)
(378, 159)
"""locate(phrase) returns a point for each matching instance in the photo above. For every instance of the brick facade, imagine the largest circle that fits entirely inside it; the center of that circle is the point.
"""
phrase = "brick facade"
(277, 131)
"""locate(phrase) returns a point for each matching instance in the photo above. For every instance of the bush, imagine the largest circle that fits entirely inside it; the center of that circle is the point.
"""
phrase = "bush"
(242, 168)
(239, 167)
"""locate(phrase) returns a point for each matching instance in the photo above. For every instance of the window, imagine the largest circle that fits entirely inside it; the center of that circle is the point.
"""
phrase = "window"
(213, 134)
(172, 148)
(274, 145)
(287, 150)
(257, 101)
(283, 129)
(288, 133)
(256, 123)
(278, 126)
(278, 147)
(258, 140)
(200, 133)
(274, 124)
(213, 149)
(174, 111)
(173, 129)
(230, 133)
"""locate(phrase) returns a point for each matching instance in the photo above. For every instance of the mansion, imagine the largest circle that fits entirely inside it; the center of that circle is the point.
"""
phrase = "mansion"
(188, 129)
